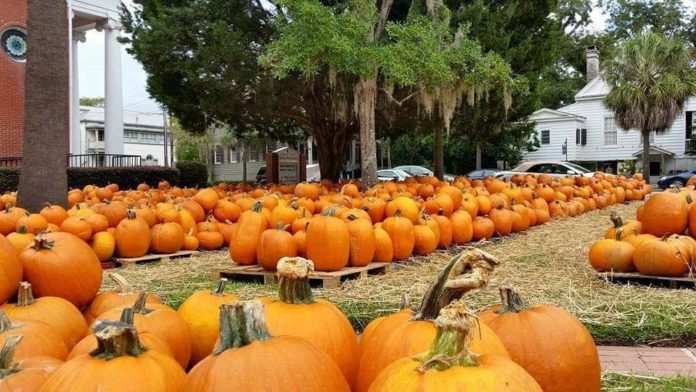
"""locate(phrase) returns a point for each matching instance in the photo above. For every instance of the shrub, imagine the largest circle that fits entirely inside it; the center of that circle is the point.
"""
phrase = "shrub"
(192, 174)
(78, 177)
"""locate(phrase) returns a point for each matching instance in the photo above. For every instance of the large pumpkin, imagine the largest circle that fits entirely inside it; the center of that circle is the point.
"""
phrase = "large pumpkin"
(245, 238)
(296, 313)
(162, 321)
(10, 269)
(452, 364)
(246, 349)
(62, 265)
(62, 316)
(401, 232)
(166, 238)
(612, 254)
(405, 334)
(328, 242)
(207, 198)
(132, 236)
(26, 375)
(363, 241)
(201, 311)
(551, 344)
(666, 256)
(38, 339)
(120, 362)
(384, 248)
(664, 213)
(124, 295)
(273, 245)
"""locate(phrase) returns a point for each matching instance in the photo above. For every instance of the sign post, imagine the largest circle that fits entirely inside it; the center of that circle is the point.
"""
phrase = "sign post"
(286, 166)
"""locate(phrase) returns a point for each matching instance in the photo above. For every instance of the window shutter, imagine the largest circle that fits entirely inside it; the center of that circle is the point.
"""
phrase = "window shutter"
(577, 135)
(583, 137)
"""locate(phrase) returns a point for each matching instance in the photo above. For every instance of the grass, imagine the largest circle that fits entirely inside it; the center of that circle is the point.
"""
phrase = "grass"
(613, 382)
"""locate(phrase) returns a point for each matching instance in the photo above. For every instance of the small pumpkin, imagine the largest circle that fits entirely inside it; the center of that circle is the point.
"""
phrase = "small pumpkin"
(363, 242)
(21, 239)
(328, 242)
(273, 245)
(10, 269)
(666, 256)
(629, 228)
(124, 295)
(38, 339)
(384, 249)
(462, 227)
(78, 226)
(25, 375)
(612, 254)
(201, 311)
(132, 236)
(401, 232)
(104, 245)
(166, 238)
(246, 348)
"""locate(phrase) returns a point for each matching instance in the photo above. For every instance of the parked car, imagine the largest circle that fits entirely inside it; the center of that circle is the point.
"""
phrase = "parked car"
(261, 176)
(417, 171)
(483, 173)
(392, 175)
(553, 168)
(678, 180)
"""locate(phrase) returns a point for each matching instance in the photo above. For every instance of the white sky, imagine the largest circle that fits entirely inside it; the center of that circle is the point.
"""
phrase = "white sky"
(135, 96)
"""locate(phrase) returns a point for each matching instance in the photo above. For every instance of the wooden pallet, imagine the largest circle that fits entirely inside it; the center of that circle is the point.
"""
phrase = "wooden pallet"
(662, 281)
(328, 280)
(152, 258)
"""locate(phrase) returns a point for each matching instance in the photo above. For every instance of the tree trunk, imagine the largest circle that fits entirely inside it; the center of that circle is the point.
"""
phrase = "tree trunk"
(368, 143)
(44, 177)
(439, 154)
(331, 153)
(478, 156)
(646, 155)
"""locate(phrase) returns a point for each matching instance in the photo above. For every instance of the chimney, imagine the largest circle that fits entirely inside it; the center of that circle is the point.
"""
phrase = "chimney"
(592, 56)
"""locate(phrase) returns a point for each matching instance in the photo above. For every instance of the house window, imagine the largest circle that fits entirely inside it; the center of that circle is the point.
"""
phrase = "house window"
(690, 124)
(100, 135)
(234, 154)
(546, 137)
(131, 137)
(219, 155)
(609, 131)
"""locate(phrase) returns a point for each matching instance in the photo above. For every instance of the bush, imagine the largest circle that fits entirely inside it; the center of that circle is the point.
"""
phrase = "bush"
(193, 174)
(78, 177)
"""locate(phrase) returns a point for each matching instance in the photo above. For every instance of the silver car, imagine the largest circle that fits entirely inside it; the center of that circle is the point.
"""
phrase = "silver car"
(552, 168)
(417, 171)
(392, 175)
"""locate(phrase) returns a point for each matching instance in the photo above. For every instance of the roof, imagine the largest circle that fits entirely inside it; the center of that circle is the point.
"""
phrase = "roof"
(131, 119)
(595, 88)
(547, 114)
(654, 151)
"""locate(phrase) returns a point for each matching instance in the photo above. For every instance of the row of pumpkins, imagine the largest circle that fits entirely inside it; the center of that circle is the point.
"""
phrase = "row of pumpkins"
(294, 342)
(335, 225)
(659, 242)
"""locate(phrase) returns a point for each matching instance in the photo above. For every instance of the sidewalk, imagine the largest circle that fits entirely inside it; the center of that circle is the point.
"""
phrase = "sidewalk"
(656, 361)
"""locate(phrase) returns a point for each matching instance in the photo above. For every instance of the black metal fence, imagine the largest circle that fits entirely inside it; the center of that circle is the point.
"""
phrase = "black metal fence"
(86, 160)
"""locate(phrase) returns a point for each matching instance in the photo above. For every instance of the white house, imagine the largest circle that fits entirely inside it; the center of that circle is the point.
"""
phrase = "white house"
(143, 134)
(592, 136)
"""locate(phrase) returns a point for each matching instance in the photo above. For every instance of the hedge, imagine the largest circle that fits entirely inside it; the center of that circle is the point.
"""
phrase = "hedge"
(192, 174)
(78, 177)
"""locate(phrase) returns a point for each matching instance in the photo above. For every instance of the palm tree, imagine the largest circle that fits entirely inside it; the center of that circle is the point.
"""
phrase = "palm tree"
(651, 78)
(43, 177)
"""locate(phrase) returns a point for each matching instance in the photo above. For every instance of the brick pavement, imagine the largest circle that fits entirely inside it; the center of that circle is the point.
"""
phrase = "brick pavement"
(656, 361)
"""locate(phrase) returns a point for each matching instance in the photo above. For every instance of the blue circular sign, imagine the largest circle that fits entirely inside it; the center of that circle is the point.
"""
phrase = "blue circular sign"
(14, 43)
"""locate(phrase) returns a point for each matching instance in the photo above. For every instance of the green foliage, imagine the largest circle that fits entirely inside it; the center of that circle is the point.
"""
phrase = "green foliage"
(92, 101)
(79, 177)
(192, 174)
(628, 18)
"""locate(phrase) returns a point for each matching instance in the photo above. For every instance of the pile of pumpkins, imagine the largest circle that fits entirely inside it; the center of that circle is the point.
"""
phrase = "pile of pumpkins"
(335, 225)
(659, 242)
(126, 340)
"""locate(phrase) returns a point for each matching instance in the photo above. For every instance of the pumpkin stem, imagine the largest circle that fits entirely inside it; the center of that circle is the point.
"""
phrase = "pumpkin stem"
(619, 234)
(130, 213)
(5, 322)
(455, 328)
(127, 316)
(22, 229)
(510, 301)
(241, 323)
(615, 219)
(293, 276)
(405, 301)
(257, 207)
(116, 339)
(465, 272)
(41, 242)
(123, 285)
(7, 364)
(220, 286)
(139, 305)
(25, 296)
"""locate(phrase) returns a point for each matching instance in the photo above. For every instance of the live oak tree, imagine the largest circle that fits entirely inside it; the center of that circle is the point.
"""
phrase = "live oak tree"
(651, 78)
(43, 177)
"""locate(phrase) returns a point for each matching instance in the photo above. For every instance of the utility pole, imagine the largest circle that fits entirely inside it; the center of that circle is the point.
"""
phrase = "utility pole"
(164, 128)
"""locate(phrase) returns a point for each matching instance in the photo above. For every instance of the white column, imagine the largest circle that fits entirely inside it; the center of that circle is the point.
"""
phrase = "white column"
(75, 131)
(113, 90)
(310, 153)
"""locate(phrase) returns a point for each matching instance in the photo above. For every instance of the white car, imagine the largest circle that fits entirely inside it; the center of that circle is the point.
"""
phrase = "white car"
(418, 171)
(552, 168)
(392, 175)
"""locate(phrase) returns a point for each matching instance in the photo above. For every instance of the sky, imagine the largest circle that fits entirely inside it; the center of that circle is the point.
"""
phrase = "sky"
(135, 96)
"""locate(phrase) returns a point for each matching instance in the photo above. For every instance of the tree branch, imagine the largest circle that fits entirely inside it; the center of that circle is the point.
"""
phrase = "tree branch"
(399, 103)
(382, 22)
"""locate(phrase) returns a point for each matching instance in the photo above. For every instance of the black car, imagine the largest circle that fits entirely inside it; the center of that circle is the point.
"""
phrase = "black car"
(261, 176)
(678, 180)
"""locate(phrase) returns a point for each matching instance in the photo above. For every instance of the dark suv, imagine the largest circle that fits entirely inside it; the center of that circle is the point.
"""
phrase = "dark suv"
(261, 176)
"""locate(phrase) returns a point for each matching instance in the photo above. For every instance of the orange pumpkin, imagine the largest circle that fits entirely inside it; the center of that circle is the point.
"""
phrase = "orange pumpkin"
(54, 214)
(612, 254)
(26, 375)
(363, 242)
(10, 269)
(62, 265)
(273, 245)
(245, 238)
(34, 223)
(401, 231)
(384, 249)
(535, 334)
(38, 339)
(103, 244)
(207, 198)
(166, 238)
(666, 256)
(124, 295)
(132, 236)
(328, 242)
(21, 239)
(78, 226)
(664, 213)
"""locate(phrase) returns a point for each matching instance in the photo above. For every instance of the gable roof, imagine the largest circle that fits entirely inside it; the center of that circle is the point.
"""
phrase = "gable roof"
(596, 88)
(546, 114)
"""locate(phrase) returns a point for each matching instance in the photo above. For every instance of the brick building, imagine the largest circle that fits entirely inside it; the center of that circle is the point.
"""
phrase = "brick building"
(13, 21)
